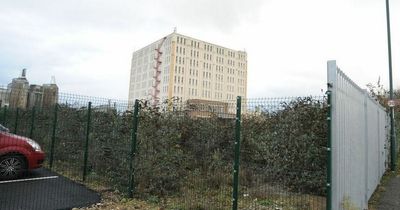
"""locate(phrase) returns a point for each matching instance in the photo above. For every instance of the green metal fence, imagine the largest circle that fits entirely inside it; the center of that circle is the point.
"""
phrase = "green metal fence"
(198, 154)
(283, 153)
(185, 154)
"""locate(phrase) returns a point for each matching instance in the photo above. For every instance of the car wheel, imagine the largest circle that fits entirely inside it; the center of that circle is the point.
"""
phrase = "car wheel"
(12, 166)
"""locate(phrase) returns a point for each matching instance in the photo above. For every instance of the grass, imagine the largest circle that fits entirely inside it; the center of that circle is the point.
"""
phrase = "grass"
(195, 198)
(196, 194)
(112, 200)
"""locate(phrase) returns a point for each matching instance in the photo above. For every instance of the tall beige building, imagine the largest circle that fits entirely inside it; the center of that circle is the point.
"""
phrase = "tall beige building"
(187, 68)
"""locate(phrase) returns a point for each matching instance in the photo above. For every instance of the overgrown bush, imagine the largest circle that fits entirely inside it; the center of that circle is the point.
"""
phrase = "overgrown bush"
(288, 146)
(283, 145)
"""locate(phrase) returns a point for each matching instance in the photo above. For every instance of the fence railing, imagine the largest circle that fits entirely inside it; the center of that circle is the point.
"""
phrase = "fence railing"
(326, 152)
(187, 155)
(359, 142)
(283, 154)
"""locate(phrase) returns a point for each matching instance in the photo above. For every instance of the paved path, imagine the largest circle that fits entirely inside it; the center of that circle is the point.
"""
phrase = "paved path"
(44, 190)
(390, 198)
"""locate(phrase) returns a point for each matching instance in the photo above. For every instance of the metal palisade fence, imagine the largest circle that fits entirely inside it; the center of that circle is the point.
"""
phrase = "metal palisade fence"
(198, 154)
(359, 142)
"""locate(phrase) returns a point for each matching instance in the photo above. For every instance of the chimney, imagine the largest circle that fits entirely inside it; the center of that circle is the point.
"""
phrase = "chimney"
(23, 73)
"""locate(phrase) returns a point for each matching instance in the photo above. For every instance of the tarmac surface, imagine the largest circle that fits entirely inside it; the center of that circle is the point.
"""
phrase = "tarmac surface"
(390, 198)
(42, 189)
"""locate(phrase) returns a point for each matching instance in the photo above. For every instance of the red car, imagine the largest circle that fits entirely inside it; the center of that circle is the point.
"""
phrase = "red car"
(18, 154)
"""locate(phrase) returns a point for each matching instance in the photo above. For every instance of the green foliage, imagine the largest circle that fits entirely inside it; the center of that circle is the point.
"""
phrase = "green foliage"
(109, 147)
(287, 146)
(266, 202)
(382, 95)
(179, 154)
(173, 146)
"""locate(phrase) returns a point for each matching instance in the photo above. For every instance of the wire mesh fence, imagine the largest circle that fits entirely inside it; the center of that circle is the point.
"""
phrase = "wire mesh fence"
(182, 154)
(283, 153)
(108, 154)
(185, 155)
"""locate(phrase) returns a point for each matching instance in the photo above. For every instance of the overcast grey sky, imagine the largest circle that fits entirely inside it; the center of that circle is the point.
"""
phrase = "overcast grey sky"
(87, 44)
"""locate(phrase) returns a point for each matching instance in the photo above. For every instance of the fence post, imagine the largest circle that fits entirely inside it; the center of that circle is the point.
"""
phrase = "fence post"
(53, 135)
(329, 153)
(32, 122)
(237, 154)
(16, 120)
(88, 124)
(133, 148)
(393, 147)
(4, 115)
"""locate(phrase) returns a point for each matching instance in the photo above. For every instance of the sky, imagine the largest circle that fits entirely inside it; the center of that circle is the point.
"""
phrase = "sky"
(87, 44)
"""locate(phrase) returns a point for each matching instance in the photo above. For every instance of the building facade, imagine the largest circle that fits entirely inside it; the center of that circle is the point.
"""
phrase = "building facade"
(18, 89)
(49, 95)
(188, 68)
(35, 96)
(19, 94)
(4, 96)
